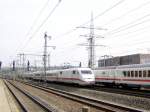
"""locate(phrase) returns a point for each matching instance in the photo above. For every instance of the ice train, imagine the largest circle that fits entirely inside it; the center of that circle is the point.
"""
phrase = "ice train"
(81, 76)
(133, 76)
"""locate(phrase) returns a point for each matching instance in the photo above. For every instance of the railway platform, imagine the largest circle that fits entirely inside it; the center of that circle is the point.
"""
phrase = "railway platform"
(7, 104)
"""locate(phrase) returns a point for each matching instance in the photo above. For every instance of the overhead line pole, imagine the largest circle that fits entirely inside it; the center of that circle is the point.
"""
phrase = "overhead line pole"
(91, 44)
(22, 60)
(91, 39)
(45, 54)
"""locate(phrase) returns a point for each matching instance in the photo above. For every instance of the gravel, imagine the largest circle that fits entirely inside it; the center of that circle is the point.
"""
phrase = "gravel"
(58, 102)
(131, 101)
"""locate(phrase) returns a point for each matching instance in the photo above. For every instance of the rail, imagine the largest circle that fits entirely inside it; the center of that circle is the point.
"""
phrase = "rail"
(37, 100)
(105, 106)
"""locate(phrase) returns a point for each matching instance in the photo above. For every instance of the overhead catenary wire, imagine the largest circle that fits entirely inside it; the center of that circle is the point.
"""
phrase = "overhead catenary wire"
(132, 26)
(137, 8)
(129, 45)
(35, 21)
(129, 32)
(133, 44)
(96, 16)
(102, 13)
(131, 51)
(128, 12)
(72, 30)
(45, 20)
(110, 8)
(140, 6)
(128, 25)
(38, 16)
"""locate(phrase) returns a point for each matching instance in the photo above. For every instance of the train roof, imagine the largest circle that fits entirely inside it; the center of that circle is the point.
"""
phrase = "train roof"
(75, 69)
(134, 66)
(124, 67)
(50, 71)
(106, 68)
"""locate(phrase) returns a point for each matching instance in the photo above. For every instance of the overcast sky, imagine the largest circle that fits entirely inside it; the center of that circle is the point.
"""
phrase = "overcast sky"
(127, 24)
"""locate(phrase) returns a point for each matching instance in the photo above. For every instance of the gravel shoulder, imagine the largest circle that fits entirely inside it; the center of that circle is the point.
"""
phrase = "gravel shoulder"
(59, 103)
(131, 101)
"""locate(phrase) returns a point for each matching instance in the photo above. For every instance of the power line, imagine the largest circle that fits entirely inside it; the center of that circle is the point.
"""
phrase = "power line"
(135, 9)
(127, 51)
(110, 8)
(121, 28)
(128, 33)
(38, 16)
(46, 18)
(74, 29)
(137, 43)
(132, 26)
(35, 21)
(42, 23)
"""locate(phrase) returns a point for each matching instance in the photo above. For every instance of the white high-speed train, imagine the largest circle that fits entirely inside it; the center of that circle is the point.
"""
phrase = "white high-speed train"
(81, 76)
(137, 75)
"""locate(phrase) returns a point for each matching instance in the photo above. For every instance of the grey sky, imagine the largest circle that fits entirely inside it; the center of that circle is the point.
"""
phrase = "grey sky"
(17, 17)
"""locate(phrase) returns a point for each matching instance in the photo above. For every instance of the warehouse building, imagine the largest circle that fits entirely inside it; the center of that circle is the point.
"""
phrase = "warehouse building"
(125, 60)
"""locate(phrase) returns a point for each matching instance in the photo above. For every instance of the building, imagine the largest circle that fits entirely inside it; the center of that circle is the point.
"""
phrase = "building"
(125, 60)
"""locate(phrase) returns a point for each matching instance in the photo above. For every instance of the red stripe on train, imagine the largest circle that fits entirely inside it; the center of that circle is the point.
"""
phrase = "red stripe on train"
(67, 78)
(139, 80)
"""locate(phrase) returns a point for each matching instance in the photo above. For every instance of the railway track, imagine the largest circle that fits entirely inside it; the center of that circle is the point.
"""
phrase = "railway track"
(28, 102)
(91, 102)
(126, 91)
(130, 92)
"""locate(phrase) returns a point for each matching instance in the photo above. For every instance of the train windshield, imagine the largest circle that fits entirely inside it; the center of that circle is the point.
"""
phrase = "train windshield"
(86, 72)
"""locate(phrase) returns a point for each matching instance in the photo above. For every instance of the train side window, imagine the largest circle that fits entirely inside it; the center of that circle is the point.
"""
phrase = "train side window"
(37, 74)
(124, 73)
(132, 73)
(73, 72)
(136, 73)
(140, 73)
(148, 73)
(128, 73)
(50, 74)
(103, 72)
(144, 73)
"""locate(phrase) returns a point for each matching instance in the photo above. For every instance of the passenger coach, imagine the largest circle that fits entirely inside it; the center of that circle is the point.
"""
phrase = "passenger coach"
(136, 76)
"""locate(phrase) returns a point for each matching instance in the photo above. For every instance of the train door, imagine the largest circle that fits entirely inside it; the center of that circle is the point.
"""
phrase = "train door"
(114, 75)
(74, 76)
(60, 76)
(118, 77)
(110, 74)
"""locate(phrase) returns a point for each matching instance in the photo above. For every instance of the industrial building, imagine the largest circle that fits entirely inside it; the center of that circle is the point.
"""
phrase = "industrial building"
(124, 60)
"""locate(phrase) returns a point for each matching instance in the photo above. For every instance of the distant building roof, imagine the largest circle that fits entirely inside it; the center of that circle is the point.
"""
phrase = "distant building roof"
(125, 60)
